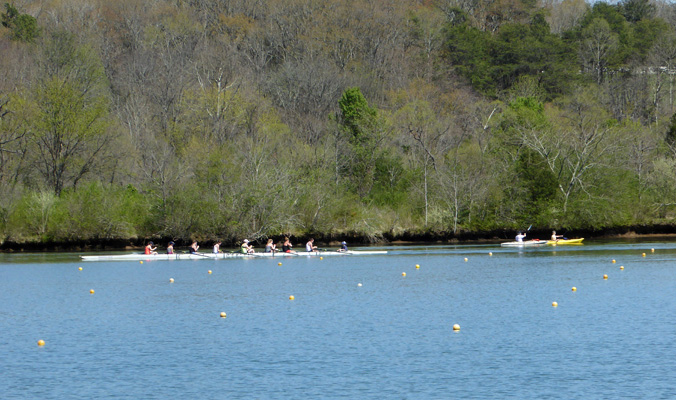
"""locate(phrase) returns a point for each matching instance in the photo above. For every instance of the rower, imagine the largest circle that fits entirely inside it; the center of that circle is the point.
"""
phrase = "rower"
(217, 247)
(170, 248)
(150, 249)
(309, 246)
(270, 247)
(287, 246)
(343, 247)
(193, 247)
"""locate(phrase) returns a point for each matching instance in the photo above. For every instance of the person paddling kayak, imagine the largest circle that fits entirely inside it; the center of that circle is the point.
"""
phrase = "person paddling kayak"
(556, 237)
(520, 236)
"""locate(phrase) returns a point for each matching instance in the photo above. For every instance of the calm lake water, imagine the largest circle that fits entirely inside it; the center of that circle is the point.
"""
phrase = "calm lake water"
(141, 337)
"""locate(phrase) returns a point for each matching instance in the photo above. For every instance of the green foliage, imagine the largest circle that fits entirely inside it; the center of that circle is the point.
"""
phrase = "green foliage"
(494, 63)
(358, 118)
(24, 27)
(537, 178)
(362, 126)
(91, 212)
(392, 183)
(636, 10)
(671, 131)
(645, 33)
(469, 51)
(70, 113)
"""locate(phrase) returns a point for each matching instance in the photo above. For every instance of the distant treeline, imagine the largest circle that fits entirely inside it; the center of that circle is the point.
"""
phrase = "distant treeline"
(374, 120)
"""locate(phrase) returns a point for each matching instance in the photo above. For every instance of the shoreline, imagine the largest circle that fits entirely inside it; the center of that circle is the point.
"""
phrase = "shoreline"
(353, 239)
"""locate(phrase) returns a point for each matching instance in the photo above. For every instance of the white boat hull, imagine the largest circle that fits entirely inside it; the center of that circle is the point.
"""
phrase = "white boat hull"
(527, 243)
(211, 256)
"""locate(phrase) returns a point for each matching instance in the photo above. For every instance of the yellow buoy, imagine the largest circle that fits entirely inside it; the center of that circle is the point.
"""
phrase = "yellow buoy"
(321, 258)
(605, 276)
(417, 266)
(223, 315)
(490, 253)
(209, 271)
(140, 262)
(41, 342)
(643, 254)
(280, 264)
(403, 274)
(574, 289)
(555, 304)
(456, 327)
(171, 280)
(91, 291)
(291, 297)
(652, 250)
(80, 268)
(621, 267)
(613, 261)
(465, 259)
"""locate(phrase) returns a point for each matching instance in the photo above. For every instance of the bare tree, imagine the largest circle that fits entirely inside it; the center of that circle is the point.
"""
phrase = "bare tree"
(598, 44)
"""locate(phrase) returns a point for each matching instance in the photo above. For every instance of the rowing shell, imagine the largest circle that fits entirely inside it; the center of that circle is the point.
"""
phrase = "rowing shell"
(212, 256)
(527, 243)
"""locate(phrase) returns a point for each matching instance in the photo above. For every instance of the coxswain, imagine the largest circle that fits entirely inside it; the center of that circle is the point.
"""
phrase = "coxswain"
(246, 248)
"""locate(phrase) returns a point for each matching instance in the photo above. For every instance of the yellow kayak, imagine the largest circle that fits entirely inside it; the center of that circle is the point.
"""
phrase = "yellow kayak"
(565, 241)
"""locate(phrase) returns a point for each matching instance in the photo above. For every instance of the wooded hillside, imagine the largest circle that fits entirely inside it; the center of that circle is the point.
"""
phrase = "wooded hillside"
(227, 119)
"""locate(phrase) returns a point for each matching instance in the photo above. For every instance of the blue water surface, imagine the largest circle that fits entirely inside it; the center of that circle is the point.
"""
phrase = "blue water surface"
(141, 337)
